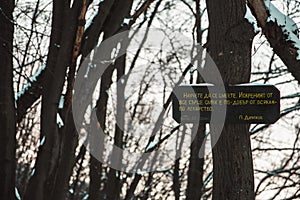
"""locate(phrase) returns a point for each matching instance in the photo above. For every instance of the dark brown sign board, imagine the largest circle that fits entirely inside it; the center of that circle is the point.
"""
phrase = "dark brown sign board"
(245, 103)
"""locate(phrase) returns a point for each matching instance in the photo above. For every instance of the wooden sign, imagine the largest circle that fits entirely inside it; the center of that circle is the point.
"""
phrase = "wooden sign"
(259, 104)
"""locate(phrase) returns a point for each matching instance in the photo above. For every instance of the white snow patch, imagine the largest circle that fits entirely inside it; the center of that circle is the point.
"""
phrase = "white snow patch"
(71, 3)
(42, 142)
(208, 179)
(90, 22)
(59, 121)
(251, 19)
(86, 197)
(22, 92)
(32, 172)
(281, 19)
(151, 145)
(17, 194)
(37, 73)
(126, 21)
(106, 62)
(103, 176)
(86, 75)
(139, 172)
(61, 102)
(57, 45)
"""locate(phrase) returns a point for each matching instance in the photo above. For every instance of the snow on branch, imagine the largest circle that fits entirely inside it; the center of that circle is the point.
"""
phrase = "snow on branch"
(59, 121)
(288, 26)
(31, 80)
(251, 19)
(281, 32)
(30, 92)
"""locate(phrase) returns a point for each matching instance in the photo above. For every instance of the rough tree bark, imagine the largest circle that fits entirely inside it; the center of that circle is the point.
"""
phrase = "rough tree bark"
(7, 114)
(64, 28)
(69, 138)
(229, 44)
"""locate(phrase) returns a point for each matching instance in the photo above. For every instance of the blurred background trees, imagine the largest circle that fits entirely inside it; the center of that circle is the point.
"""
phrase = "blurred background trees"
(45, 42)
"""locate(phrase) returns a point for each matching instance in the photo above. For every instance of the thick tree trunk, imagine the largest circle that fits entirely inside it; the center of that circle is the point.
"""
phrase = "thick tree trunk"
(7, 114)
(69, 139)
(35, 91)
(40, 186)
(69, 142)
(229, 44)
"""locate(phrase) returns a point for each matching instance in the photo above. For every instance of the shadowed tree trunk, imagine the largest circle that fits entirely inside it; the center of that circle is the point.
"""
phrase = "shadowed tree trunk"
(114, 184)
(119, 10)
(196, 162)
(7, 114)
(65, 23)
(69, 138)
(195, 173)
(229, 44)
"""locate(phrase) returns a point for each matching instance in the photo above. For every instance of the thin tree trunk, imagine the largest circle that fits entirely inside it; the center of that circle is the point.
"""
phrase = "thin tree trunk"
(176, 176)
(176, 180)
(112, 24)
(114, 183)
(96, 168)
(195, 173)
(113, 186)
(67, 159)
(7, 114)
(229, 44)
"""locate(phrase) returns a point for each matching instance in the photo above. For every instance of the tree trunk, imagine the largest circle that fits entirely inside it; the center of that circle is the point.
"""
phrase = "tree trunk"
(69, 142)
(69, 138)
(35, 91)
(195, 173)
(114, 184)
(40, 186)
(7, 114)
(229, 44)
(96, 168)
(119, 10)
